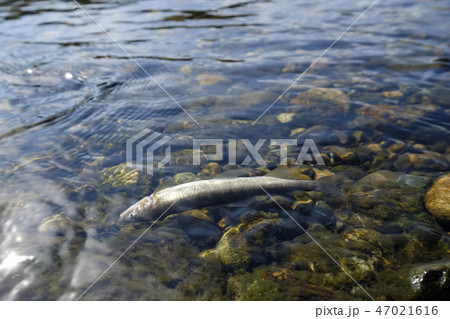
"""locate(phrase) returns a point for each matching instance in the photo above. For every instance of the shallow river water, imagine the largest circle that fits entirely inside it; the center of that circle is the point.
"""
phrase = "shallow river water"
(76, 84)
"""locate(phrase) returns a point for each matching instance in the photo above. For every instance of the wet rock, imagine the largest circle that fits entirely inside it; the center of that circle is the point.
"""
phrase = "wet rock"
(381, 196)
(440, 95)
(278, 273)
(352, 172)
(182, 178)
(380, 178)
(206, 101)
(285, 117)
(238, 88)
(301, 200)
(365, 122)
(297, 131)
(232, 249)
(381, 160)
(322, 100)
(347, 218)
(271, 203)
(375, 148)
(245, 244)
(186, 69)
(428, 161)
(198, 225)
(437, 200)
(212, 169)
(270, 283)
(323, 215)
(420, 147)
(210, 79)
(428, 241)
(210, 256)
(165, 266)
(319, 133)
(256, 97)
(341, 137)
(368, 240)
(393, 94)
(360, 258)
(341, 154)
(403, 115)
(123, 178)
(57, 224)
(289, 68)
(431, 282)
(304, 255)
(397, 147)
(77, 193)
(295, 172)
(320, 173)
(186, 156)
(359, 136)
(414, 180)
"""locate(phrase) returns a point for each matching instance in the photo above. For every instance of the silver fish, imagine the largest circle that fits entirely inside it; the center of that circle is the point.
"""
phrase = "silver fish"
(206, 193)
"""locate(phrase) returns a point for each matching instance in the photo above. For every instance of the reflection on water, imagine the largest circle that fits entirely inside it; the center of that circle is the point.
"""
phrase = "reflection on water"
(376, 105)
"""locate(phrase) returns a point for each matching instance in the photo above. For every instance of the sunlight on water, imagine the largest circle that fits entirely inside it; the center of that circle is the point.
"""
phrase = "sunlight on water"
(11, 261)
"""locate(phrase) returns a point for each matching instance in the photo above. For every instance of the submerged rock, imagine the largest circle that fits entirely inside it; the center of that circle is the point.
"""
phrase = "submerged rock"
(393, 94)
(437, 200)
(249, 243)
(266, 283)
(403, 115)
(256, 97)
(56, 224)
(212, 169)
(322, 100)
(210, 79)
(431, 282)
(341, 154)
(380, 178)
(414, 180)
(381, 196)
(121, 178)
(182, 178)
(440, 95)
(285, 117)
(198, 225)
(120, 175)
(428, 161)
(185, 157)
(232, 249)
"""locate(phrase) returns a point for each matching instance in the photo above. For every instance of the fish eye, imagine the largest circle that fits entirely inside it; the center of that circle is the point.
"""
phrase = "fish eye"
(131, 216)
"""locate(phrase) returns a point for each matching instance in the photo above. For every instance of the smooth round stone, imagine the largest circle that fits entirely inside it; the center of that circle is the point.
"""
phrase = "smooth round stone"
(437, 200)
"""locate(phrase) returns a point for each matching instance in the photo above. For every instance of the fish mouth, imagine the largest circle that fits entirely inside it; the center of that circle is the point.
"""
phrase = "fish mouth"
(134, 209)
(123, 217)
(138, 209)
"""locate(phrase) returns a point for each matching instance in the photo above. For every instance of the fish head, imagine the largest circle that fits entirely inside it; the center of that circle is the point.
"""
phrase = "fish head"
(140, 210)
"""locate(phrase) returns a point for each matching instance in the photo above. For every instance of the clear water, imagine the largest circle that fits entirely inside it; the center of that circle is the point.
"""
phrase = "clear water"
(70, 98)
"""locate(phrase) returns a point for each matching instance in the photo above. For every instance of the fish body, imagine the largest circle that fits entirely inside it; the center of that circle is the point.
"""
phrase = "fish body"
(211, 192)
